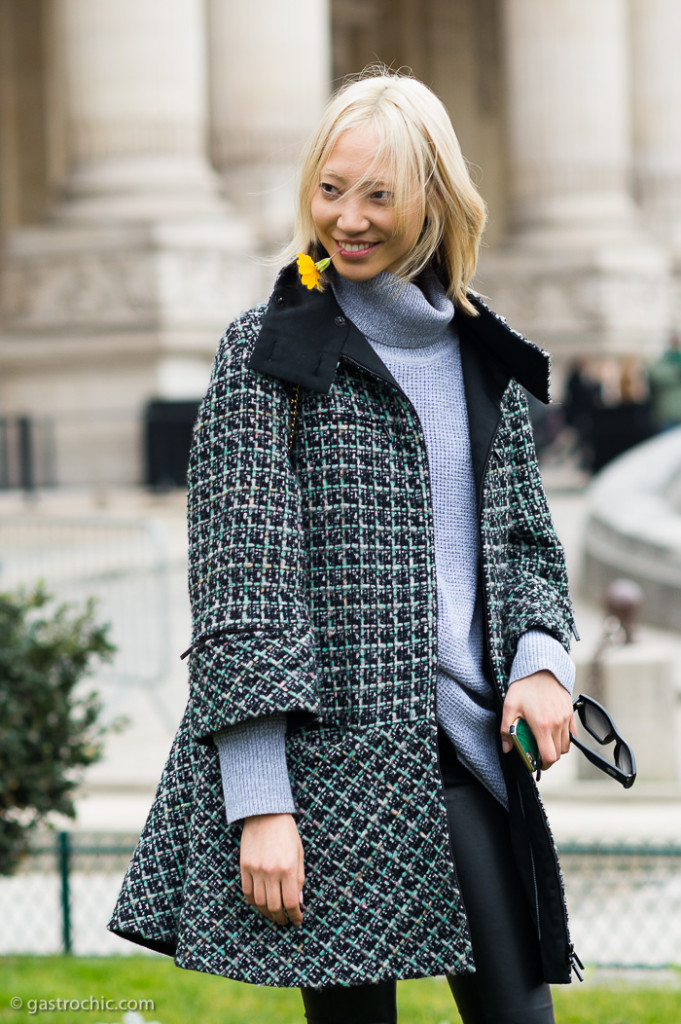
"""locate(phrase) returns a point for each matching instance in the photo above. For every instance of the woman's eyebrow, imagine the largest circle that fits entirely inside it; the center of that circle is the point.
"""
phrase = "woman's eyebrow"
(369, 183)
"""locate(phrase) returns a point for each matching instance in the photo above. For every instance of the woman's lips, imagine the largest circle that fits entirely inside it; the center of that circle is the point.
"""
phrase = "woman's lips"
(355, 250)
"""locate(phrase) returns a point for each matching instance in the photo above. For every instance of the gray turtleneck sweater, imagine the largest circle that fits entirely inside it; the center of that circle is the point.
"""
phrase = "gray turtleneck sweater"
(413, 332)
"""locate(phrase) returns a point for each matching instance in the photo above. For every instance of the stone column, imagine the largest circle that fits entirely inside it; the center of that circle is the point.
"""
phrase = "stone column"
(656, 80)
(270, 72)
(135, 102)
(576, 271)
(568, 116)
(122, 294)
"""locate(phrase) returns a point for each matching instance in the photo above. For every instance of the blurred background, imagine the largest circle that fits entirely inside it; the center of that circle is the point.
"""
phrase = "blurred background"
(148, 151)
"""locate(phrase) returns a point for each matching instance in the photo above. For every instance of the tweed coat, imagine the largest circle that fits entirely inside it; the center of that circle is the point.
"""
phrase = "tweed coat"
(313, 590)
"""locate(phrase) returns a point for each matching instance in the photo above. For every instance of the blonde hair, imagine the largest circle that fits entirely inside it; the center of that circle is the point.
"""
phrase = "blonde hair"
(418, 144)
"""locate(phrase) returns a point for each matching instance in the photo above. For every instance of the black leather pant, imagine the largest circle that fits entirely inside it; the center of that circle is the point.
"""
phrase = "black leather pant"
(507, 986)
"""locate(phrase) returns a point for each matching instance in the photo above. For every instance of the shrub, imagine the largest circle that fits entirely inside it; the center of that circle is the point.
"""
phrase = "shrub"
(49, 730)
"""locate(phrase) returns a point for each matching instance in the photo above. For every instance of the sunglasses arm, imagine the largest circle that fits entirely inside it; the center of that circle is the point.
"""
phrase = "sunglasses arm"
(600, 762)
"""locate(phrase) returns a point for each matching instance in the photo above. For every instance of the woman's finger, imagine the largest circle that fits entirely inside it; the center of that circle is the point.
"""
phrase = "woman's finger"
(260, 896)
(549, 750)
(290, 893)
(275, 908)
(247, 885)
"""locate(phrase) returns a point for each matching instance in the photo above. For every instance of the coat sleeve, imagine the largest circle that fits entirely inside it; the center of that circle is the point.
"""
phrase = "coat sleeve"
(253, 649)
(537, 593)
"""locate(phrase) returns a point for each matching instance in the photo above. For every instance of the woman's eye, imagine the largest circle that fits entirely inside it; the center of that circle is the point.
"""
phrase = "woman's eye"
(382, 196)
(328, 189)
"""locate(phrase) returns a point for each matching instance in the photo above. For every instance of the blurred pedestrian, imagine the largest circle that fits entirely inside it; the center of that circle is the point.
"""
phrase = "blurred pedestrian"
(622, 416)
(664, 377)
(581, 400)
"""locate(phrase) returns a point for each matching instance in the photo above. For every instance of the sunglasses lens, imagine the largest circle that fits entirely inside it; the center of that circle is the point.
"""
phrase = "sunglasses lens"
(623, 760)
(600, 726)
(597, 722)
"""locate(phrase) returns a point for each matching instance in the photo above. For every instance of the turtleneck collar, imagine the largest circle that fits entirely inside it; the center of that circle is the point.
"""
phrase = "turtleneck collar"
(395, 312)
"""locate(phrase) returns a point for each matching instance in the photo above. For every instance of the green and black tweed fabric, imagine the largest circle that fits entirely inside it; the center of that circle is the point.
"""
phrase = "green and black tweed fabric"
(313, 590)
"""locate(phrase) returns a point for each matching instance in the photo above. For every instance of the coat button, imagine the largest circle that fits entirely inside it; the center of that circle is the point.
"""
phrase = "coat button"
(279, 299)
(340, 321)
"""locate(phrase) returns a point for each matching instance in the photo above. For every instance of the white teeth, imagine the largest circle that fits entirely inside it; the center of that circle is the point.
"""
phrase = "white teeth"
(355, 247)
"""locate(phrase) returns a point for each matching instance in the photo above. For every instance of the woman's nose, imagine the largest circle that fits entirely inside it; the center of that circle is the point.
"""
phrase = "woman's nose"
(352, 216)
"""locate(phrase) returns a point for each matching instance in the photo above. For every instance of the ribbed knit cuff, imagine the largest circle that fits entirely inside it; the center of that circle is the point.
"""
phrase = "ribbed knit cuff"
(255, 777)
(539, 651)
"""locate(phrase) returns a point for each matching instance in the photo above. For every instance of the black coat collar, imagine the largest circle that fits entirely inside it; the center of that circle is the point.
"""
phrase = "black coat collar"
(304, 334)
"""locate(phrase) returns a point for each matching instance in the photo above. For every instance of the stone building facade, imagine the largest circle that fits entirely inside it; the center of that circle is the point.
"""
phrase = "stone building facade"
(147, 161)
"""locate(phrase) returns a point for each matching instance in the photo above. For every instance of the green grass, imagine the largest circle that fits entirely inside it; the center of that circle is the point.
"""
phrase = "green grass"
(184, 997)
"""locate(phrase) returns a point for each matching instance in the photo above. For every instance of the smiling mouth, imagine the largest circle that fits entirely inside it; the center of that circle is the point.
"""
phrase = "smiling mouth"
(355, 248)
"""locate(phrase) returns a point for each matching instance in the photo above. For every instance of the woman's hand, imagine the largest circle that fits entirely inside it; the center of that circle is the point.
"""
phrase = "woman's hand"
(546, 706)
(273, 867)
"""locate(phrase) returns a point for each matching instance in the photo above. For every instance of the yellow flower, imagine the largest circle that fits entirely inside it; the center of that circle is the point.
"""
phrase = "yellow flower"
(309, 270)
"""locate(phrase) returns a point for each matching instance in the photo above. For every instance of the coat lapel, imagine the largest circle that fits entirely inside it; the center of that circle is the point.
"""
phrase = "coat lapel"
(521, 359)
(303, 335)
(492, 353)
(485, 382)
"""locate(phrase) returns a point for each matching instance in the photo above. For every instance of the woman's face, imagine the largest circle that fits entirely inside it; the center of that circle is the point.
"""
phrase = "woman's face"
(357, 226)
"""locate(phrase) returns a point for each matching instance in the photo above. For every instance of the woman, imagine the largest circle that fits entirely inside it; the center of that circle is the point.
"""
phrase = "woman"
(377, 594)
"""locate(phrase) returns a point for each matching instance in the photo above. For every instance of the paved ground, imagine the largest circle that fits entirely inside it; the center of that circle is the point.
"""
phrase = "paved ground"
(118, 790)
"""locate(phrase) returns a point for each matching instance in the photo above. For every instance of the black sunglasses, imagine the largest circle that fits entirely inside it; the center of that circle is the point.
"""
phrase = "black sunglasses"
(600, 725)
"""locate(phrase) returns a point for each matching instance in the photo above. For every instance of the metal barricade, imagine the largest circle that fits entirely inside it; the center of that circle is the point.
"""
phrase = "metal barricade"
(624, 901)
(61, 897)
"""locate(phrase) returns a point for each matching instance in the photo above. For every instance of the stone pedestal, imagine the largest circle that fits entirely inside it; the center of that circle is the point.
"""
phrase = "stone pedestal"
(633, 528)
(576, 271)
(122, 295)
(99, 321)
(638, 689)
